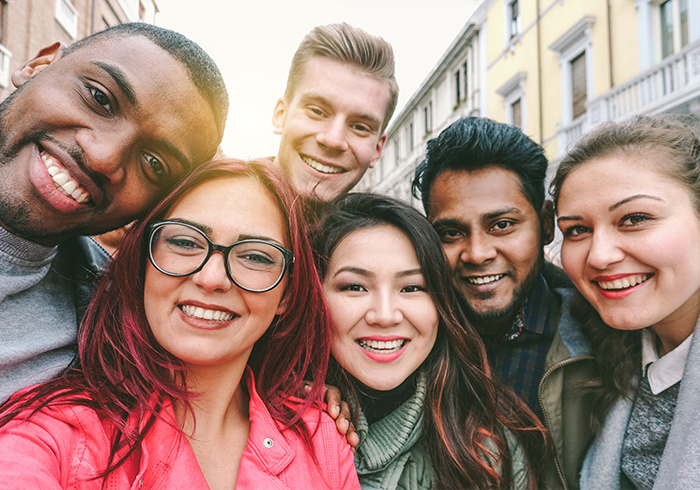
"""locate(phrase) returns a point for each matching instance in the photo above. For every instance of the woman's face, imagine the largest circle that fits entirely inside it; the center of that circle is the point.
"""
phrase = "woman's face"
(632, 243)
(385, 322)
(180, 309)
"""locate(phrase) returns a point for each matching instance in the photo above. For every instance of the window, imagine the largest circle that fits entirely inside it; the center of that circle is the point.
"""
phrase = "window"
(466, 79)
(428, 117)
(579, 92)
(67, 17)
(673, 19)
(410, 137)
(575, 52)
(514, 102)
(516, 114)
(513, 18)
(5, 54)
(397, 156)
(142, 12)
(458, 89)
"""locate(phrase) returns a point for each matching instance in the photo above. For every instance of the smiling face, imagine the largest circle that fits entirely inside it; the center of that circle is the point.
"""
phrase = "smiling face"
(92, 139)
(632, 244)
(491, 235)
(331, 129)
(228, 210)
(385, 322)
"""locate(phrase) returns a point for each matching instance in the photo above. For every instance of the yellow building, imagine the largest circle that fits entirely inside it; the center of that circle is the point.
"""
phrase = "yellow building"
(555, 68)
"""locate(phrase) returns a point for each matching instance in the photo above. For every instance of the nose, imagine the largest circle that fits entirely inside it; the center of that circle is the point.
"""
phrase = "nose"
(106, 152)
(332, 136)
(478, 250)
(213, 277)
(604, 251)
(384, 310)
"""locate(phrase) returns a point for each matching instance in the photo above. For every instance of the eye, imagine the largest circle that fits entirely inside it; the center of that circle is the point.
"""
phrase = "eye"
(634, 219)
(576, 231)
(183, 244)
(413, 288)
(101, 98)
(362, 128)
(351, 287)
(502, 225)
(155, 168)
(450, 235)
(316, 111)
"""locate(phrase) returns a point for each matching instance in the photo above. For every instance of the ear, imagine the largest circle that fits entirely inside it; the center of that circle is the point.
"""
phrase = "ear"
(45, 56)
(547, 218)
(284, 304)
(279, 115)
(378, 151)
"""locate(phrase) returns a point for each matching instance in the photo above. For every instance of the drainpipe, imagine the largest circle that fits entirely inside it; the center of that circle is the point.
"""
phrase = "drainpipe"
(539, 74)
(610, 50)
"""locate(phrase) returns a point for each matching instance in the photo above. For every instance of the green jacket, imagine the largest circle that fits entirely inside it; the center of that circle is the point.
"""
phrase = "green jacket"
(566, 411)
(391, 454)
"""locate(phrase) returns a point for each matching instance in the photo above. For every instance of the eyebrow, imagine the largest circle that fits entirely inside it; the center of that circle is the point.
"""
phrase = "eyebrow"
(453, 222)
(208, 230)
(364, 272)
(121, 80)
(614, 206)
(632, 198)
(323, 100)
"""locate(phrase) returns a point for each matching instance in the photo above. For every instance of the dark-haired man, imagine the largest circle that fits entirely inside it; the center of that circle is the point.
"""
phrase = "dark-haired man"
(483, 188)
(92, 137)
(340, 94)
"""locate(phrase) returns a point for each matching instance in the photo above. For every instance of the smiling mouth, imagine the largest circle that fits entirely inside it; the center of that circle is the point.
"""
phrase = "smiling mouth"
(198, 312)
(623, 283)
(324, 169)
(479, 280)
(63, 180)
(381, 346)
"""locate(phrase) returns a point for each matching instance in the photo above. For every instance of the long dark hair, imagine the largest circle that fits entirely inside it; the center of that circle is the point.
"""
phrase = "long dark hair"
(670, 145)
(464, 406)
(126, 375)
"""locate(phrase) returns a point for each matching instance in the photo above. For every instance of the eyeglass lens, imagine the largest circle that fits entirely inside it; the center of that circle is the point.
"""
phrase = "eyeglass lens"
(181, 250)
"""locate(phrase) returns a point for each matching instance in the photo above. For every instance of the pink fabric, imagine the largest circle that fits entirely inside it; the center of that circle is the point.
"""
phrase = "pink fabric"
(63, 447)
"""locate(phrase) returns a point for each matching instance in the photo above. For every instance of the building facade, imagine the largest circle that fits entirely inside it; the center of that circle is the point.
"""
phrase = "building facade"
(554, 68)
(28, 25)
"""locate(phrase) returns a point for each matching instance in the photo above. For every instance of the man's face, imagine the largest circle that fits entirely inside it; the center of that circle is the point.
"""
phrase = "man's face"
(90, 140)
(491, 235)
(331, 129)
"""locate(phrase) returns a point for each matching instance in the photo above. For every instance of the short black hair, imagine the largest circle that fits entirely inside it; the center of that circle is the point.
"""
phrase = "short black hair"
(199, 65)
(474, 143)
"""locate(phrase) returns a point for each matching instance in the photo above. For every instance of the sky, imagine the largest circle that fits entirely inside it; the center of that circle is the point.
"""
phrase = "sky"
(253, 41)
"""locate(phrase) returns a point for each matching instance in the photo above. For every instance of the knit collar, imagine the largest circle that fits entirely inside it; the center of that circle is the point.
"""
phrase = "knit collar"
(24, 250)
(383, 441)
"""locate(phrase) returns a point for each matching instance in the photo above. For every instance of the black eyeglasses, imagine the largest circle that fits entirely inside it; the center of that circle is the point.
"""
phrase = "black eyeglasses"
(179, 249)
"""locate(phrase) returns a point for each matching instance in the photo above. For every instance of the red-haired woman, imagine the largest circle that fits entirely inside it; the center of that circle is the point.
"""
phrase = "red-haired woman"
(188, 354)
(430, 415)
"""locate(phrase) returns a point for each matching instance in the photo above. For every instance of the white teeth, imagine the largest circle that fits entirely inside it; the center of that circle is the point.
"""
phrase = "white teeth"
(624, 283)
(63, 181)
(197, 312)
(321, 167)
(484, 279)
(385, 347)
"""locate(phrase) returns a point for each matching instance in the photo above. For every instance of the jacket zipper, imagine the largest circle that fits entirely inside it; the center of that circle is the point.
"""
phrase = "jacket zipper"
(565, 362)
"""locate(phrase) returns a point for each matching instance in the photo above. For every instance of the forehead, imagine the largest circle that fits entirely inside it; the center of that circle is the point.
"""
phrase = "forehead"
(382, 246)
(231, 207)
(471, 194)
(166, 101)
(343, 84)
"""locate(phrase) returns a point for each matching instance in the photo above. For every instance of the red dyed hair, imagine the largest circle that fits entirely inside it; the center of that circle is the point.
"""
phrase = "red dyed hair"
(122, 365)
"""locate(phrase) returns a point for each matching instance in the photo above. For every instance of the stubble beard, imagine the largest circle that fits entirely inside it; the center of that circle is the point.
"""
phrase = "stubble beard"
(484, 319)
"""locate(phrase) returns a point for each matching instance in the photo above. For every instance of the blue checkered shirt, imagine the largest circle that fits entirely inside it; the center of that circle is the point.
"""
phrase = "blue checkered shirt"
(518, 356)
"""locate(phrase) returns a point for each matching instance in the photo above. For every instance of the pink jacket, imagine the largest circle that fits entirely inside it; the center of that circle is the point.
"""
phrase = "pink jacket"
(63, 447)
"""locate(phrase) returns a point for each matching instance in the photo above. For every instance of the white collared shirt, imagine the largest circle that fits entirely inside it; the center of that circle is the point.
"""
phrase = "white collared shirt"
(666, 371)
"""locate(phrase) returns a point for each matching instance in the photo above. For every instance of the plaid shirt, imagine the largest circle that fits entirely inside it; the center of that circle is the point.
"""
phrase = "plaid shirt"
(518, 356)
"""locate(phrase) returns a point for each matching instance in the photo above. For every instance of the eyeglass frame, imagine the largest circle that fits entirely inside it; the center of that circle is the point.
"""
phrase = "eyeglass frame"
(225, 250)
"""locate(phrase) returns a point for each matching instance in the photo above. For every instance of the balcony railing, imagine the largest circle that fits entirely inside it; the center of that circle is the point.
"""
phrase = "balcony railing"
(667, 84)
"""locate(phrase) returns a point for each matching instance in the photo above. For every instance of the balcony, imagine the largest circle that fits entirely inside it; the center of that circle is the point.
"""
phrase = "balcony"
(667, 85)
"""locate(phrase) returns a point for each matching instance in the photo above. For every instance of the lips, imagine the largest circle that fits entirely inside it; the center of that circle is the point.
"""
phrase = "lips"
(320, 167)
(206, 314)
(623, 283)
(63, 180)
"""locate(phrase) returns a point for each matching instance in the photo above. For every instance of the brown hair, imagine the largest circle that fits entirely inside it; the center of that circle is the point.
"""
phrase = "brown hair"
(347, 44)
(667, 142)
